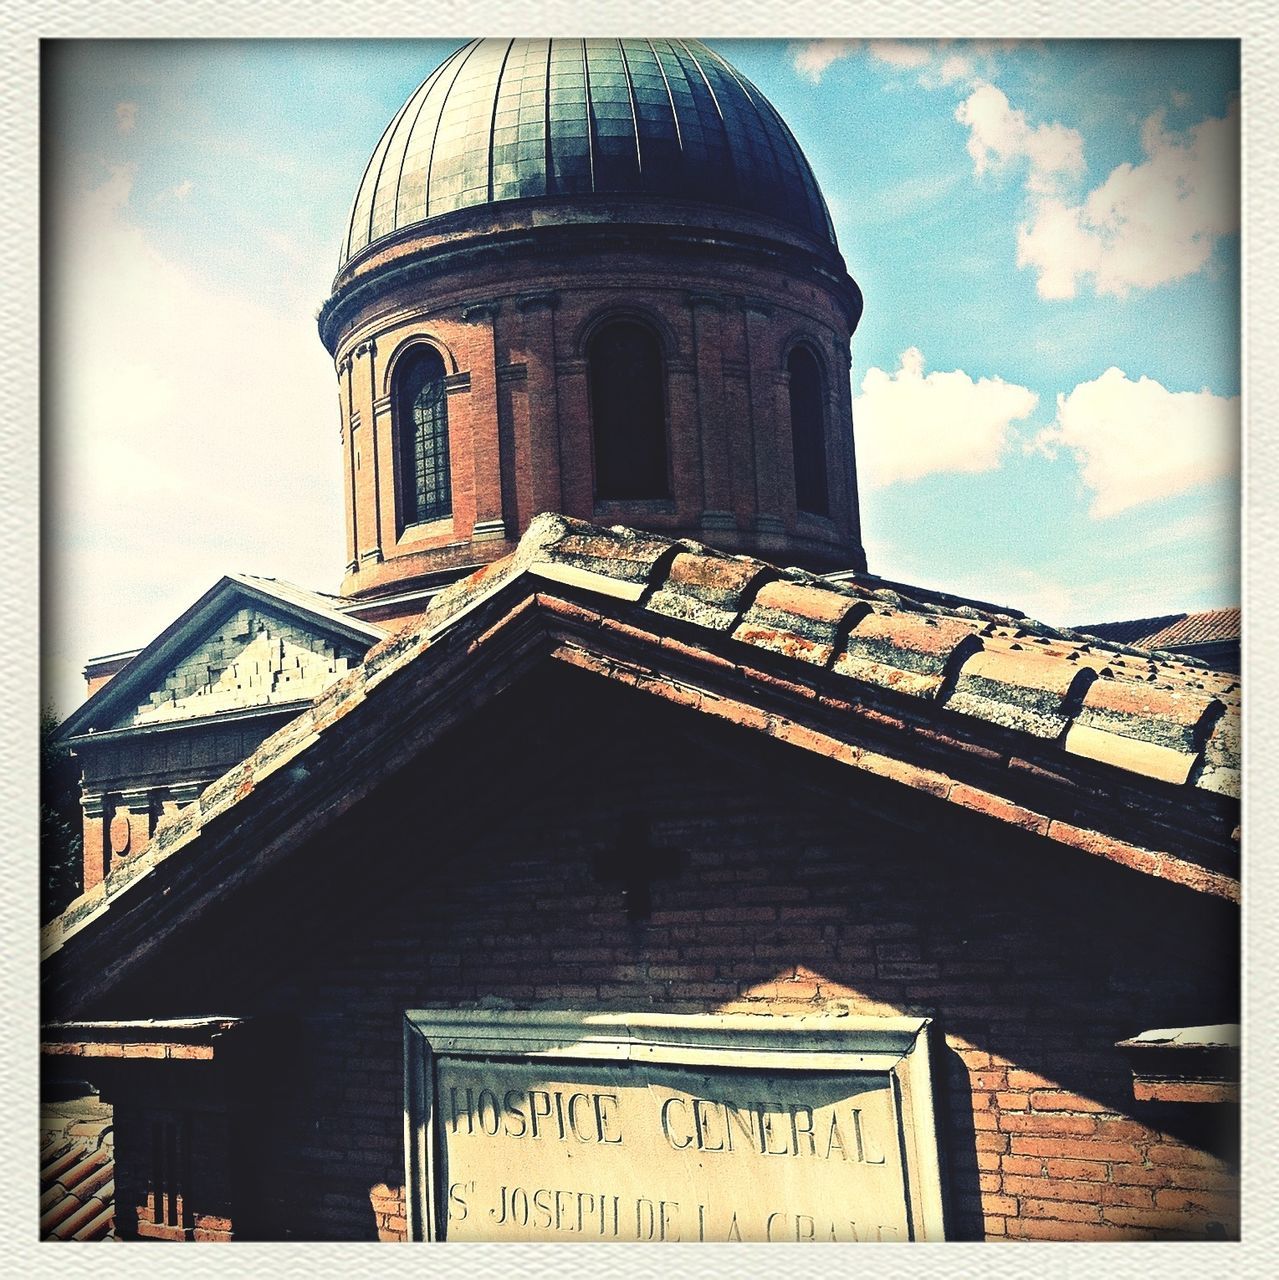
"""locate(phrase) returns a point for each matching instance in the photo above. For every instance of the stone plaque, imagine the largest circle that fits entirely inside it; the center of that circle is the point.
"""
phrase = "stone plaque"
(563, 1126)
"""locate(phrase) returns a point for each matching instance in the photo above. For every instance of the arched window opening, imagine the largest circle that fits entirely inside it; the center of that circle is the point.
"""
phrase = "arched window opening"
(422, 438)
(808, 432)
(628, 411)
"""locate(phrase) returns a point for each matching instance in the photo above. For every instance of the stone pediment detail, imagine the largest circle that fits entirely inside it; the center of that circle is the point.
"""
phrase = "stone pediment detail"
(254, 657)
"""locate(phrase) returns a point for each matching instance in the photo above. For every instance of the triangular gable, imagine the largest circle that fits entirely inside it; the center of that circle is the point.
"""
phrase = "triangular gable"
(1128, 759)
(246, 643)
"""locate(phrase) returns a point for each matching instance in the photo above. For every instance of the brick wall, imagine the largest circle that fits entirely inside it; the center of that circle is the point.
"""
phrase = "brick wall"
(472, 878)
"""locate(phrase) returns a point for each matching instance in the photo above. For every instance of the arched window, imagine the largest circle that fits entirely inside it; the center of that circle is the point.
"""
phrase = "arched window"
(808, 432)
(422, 438)
(628, 411)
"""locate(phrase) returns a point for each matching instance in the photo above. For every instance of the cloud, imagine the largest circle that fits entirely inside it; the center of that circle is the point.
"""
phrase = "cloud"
(811, 58)
(178, 405)
(938, 62)
(1000, 135)
(1137, 442)
(1148, 223)
(179, 192)
(901, 53)
(909, 424)
(126, 116)
(955, 67)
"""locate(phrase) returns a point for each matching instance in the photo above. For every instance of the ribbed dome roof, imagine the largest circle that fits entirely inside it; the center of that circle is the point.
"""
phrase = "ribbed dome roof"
(521, 119)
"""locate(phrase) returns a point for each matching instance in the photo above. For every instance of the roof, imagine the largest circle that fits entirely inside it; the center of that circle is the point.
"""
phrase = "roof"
(1171, 630)
(77, 1172)
(1125, 756)
(504, 120)
(123, 701)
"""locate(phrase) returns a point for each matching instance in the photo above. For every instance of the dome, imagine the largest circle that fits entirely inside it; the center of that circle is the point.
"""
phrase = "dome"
(504, 120)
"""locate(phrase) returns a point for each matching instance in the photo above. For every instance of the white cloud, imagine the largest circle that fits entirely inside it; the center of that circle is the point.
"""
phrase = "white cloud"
(811, 58)
(909, 424)
(955, 67)
(938, 62)
(1137, 442)
(176, 405)
(901, 53)
(1148, 223)
(126, 116)
(1000, 134)
(179, 192)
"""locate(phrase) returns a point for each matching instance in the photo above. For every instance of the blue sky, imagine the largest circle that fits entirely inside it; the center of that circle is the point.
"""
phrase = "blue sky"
(1046, 376)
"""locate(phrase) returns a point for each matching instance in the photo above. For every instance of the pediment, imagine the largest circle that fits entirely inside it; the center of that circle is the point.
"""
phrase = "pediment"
(253, 657)
(246, 644)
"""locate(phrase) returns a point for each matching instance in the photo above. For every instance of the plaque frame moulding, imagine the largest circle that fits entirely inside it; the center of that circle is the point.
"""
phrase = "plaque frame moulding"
(896, 1048)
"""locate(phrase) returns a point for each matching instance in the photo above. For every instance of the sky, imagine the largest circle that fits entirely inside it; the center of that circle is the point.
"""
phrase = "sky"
(1046, 377)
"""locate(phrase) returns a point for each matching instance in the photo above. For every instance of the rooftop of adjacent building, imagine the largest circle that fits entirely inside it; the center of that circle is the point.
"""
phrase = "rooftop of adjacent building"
(1171, 630)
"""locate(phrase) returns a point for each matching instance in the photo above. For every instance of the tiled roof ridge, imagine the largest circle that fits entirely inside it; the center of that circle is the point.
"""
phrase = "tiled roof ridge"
(1145, 715)
(1160, 715)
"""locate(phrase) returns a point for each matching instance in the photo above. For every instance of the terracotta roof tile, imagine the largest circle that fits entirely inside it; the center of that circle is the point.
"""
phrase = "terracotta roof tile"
(707, 589)
(1207, 627)
(1019, 687)
(1137, 756)
(77, 1179)
(906, 652)
(793, 619)
(599, 557)
(1221, 766)
(1143, 711)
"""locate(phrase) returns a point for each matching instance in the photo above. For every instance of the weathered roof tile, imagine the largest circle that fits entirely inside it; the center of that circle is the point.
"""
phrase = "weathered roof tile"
(1143, 711)
(1221, 765)
(794, 619)
(906, 652)
(77, 1178)
(707, 589)
(1019, 687)
(616, 561)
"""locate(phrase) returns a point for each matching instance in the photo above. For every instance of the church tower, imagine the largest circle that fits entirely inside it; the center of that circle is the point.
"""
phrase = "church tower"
(595, 277)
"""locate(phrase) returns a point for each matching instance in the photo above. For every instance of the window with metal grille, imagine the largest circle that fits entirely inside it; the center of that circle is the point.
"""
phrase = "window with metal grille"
(628, 412)
(422, 430)
(808, 432)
